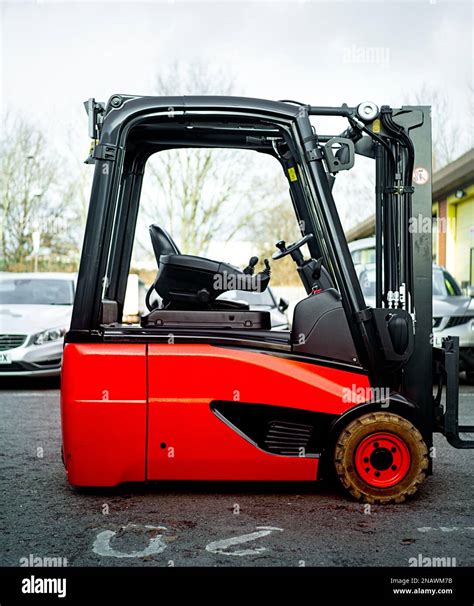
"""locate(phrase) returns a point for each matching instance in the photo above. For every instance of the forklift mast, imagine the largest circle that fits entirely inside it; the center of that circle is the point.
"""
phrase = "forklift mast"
(398, 140)
(392, 339)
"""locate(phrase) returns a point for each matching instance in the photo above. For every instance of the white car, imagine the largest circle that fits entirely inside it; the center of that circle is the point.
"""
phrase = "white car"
(35, 313)
(453, 312)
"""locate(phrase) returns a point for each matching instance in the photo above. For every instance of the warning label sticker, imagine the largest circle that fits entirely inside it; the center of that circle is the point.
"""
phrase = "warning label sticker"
(376, 126)
(292, 174)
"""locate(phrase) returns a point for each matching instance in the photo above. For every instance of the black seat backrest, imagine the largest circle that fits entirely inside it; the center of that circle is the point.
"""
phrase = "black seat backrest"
(162, 242)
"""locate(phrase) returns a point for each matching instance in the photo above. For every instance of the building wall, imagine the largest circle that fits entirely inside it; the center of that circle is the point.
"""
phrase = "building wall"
(441, 234)
(464, 238)
(453, 242)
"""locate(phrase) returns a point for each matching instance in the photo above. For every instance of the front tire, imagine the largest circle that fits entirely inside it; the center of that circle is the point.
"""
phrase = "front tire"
(381, 458)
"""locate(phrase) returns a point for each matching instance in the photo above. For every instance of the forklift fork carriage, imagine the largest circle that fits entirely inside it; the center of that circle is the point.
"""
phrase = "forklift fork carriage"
(138, 405)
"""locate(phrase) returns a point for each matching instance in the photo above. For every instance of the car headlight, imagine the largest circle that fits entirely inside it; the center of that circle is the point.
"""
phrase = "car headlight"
(53, 334)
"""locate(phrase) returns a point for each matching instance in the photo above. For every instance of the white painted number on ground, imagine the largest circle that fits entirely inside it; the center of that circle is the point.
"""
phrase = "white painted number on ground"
(103, 548)
(223, 545)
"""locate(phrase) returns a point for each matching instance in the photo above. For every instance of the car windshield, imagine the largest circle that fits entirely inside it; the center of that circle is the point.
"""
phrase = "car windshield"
(250, 297)
(444, 285)
(364, 256)
(37, 291)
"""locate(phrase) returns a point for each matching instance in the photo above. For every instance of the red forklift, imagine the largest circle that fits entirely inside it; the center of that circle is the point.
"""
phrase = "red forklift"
(202, 388)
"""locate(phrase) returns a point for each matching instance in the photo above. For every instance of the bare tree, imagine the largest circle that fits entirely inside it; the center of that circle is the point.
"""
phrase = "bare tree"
(30, 200)
(194, 192)
(197, 193)
(276, 221)
(354, 193)
(193, 78)
(450, 136)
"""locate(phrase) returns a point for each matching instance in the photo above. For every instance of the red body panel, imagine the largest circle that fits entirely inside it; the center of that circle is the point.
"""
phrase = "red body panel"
(103, 410)
(184, 379)
(105, 440)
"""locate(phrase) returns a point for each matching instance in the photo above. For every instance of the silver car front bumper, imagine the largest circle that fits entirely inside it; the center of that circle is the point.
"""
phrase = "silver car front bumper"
(32, 360)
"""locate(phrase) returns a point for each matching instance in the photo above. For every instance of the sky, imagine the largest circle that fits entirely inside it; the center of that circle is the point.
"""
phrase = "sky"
(54, 55)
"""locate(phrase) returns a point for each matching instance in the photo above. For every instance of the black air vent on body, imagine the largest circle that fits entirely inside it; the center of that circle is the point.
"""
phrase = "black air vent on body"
(287, 438)
(279, 430)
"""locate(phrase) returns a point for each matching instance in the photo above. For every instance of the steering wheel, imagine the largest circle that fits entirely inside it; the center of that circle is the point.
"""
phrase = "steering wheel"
(287, 250)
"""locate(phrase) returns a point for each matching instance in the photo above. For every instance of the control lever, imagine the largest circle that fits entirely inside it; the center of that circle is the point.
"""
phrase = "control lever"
(318, 263)
(251, 266)
(263, 277)
(281, 245)
(268, 270)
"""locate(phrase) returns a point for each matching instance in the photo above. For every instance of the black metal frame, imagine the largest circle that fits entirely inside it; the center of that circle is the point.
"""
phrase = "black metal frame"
(120, 162)
(446, 370)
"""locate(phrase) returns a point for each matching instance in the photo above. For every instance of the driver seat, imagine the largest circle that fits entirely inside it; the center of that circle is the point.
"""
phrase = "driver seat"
(190, 283)
(162, 242)
(187, 281)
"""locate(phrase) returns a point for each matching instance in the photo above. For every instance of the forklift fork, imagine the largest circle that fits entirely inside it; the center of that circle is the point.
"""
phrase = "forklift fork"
(446, 371)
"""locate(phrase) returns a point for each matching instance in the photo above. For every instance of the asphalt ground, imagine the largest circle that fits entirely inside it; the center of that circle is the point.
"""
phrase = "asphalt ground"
(214, 524)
